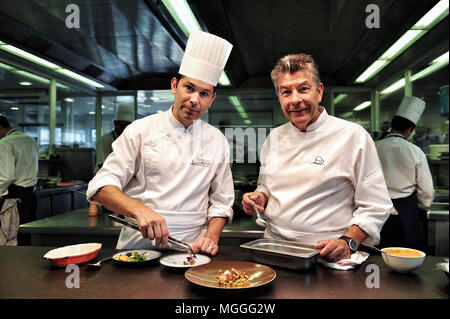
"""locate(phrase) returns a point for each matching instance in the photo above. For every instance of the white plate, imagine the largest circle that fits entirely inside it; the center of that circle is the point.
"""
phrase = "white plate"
(176, 260)
(149, 256)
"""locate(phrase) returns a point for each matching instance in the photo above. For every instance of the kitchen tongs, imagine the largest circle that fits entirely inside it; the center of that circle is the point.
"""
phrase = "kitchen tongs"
(171, 240)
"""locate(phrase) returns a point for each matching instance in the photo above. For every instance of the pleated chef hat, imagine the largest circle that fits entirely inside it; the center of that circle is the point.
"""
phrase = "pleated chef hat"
(125, 113)
(411, 108)
(205, 57)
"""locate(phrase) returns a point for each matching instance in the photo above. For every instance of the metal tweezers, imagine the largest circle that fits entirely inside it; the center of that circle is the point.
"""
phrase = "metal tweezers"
(171, 240)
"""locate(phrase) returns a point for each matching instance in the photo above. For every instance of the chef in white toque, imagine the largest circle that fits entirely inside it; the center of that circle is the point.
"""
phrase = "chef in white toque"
(170, 171)
(408, 177)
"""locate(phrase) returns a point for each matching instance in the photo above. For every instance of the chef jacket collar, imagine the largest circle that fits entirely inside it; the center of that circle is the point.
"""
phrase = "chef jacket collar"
(177, 124)
(10, 132)
(313, 126)
(395, 135)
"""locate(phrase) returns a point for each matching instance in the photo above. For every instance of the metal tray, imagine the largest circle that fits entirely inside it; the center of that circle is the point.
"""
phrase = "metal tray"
(283, 253)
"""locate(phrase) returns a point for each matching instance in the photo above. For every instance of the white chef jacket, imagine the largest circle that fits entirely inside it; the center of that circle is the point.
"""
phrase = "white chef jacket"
(405, 169)
(182, 174)
(321, 182)
(18, 161)
(104, 148)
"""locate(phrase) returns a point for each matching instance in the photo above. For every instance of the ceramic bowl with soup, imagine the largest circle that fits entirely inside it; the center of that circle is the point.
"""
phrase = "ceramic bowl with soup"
(403, 259)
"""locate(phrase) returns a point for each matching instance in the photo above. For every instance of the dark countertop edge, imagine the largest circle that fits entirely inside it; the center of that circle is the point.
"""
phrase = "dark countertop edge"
(57, 190)
(69, 230)
(226, 233)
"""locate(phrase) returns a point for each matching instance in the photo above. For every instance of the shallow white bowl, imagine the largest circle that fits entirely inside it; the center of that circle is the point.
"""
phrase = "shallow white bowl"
(403, 264)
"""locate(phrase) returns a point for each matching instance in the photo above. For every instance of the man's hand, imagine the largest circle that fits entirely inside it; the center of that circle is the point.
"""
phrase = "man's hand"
(153, 226)
(205, 245)
(209, 243)
(336, 249)
(333, 249)
(260, 199)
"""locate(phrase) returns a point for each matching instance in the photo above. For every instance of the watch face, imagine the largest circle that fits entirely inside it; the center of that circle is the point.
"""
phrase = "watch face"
(352, 244)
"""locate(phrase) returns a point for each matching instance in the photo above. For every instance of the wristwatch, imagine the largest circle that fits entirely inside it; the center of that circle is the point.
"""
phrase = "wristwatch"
(352, 244)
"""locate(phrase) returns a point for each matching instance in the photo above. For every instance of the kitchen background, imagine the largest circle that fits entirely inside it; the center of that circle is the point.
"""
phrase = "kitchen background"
(62, 85)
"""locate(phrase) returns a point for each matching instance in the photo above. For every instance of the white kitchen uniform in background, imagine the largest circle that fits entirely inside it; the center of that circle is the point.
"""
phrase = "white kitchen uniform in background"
(322, 181)
(182, 174)
(404, 164)
(19, 161)
(405, 169)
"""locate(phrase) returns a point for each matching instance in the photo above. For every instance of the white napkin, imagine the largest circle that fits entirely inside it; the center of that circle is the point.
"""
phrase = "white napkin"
(355, 259)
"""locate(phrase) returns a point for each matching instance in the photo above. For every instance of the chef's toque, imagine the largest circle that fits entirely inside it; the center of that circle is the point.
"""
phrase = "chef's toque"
(125, 113)
(205, 57)
(411, 108)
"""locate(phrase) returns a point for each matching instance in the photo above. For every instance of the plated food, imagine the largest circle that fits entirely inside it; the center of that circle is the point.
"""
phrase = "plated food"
(73, 254)
(232, 278)
(136, 256)
(183, 260)
(230, 275)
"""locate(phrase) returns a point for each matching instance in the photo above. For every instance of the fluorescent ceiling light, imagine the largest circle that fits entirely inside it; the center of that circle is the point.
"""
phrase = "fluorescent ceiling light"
(436, 14)
(371, 71)
(442, 58)
(32, 76)
(15, 108)
(28, 56)
(182, 13)
(47, 64)
(92, 113)
(394, 87)
(362, 106)
(78, 77)
(346, 115)
(237, 105)
(434, 66)
(68, 99)
(405, 41)
(154, 98)
(430, 19)
(223, 80)
(247, 122)
(339, 98)
(25, 83)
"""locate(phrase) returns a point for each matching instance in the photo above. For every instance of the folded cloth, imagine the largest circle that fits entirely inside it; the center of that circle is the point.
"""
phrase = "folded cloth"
(355, 259)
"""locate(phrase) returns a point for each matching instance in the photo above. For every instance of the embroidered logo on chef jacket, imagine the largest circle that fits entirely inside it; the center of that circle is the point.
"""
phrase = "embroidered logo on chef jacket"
(318, 161)
(201, 162)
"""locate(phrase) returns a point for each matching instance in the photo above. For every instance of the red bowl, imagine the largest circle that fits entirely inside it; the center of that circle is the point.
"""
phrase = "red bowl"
(73, 254)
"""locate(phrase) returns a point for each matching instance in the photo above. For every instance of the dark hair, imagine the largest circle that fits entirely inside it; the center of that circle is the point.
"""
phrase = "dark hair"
(180, 76)
(4, 122)
(401, 124)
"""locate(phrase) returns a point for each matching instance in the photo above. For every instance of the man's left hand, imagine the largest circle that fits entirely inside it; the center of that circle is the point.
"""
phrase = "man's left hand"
(205, 245)
(333, 249)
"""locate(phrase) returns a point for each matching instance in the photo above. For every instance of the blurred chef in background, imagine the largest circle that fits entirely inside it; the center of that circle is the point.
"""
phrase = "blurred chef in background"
(125, 116)
(320, 181)
(407, 175)
(170, 171)
(18, 172)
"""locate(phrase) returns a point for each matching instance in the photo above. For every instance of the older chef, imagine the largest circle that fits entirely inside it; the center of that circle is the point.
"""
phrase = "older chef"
(407, 175)
(320, 181)
(104, 145)
(18, 172)
(170, 171)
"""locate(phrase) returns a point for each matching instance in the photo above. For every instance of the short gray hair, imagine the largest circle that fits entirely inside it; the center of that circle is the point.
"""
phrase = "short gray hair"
(292, 63)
